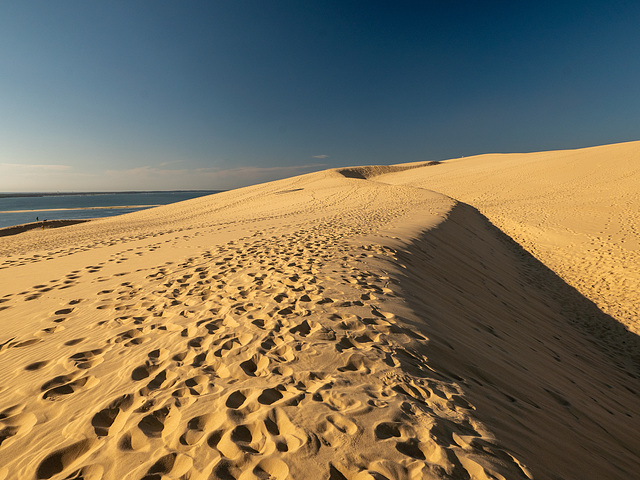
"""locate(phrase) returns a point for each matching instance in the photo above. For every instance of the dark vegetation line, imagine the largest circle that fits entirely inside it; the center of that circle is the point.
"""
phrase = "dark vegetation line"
(61, 194)
(7, 231)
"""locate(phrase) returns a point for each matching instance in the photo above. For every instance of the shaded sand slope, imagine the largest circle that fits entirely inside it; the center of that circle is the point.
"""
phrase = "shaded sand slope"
(511, 335)
(578, 211)
(316, 327)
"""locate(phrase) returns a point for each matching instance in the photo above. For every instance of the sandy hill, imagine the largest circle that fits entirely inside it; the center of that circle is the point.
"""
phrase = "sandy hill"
(347, 324)
(577, 211)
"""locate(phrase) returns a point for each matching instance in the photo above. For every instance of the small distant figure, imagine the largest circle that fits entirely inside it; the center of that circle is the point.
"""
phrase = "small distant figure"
(37, 219)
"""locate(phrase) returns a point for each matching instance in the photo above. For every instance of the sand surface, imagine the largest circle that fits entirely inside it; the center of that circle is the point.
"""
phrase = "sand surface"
(468, 319)
(577, 211)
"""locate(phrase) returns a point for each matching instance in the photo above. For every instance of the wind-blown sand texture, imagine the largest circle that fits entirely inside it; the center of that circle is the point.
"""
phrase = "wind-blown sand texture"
(346, 324)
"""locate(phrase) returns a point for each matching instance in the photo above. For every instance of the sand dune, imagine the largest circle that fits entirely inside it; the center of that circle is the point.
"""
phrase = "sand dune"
(577, 211)
(345, 324)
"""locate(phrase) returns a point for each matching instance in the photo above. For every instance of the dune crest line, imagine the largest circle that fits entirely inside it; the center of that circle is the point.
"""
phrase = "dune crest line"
(577, 211)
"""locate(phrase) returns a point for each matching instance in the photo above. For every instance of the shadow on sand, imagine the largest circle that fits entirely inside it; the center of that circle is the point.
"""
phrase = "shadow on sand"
(552, 376)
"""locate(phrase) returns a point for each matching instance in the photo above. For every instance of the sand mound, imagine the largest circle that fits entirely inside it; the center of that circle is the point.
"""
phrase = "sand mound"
(316, 327)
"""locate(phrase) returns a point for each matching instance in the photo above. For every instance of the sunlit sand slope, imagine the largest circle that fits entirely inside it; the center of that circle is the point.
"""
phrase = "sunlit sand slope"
(578, 211)
(324, 326)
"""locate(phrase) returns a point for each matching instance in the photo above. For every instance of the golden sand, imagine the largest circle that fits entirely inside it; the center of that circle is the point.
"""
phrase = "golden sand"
(338, 325)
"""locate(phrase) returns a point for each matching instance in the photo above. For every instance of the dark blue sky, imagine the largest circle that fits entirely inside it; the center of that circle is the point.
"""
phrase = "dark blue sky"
(205, 94)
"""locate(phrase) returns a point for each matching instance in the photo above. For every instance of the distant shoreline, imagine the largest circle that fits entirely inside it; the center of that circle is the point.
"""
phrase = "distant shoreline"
(61, 194)
(18, 208)
(80, 208)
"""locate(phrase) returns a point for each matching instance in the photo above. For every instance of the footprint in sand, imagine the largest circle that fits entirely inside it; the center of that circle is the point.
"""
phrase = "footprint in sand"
(143, 371)
(160, 423)
(273, 468)
(286, 436)
(256, 366)
(87, 359)
(164, 379)
(270, 396)
(198, 384)
(15, 423)
(64, 385)
(335, 430)
(25, 343)
(413, 442)
(235, 400)
(111, 419)
(65, 458)
(37, 365)
(88, 472)
(199, 427)
(171, 465)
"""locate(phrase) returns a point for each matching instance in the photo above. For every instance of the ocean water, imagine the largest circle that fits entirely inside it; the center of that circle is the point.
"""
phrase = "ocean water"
(16, 209)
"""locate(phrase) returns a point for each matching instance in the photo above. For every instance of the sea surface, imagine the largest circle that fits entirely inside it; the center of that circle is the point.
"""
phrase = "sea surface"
(20, 208)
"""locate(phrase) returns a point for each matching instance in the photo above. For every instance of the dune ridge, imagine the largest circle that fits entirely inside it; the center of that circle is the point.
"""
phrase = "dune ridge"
(545, 369)
(577, 211)
(323, 326)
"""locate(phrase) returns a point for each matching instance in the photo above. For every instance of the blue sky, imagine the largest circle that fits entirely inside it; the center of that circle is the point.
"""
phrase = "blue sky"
(98, 95)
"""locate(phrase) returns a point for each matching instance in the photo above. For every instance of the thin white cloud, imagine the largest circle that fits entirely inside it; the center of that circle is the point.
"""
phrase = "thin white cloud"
(142, 171)
(209, 177)
(31, 167)
(173, 162)
(253, 172)
(160, 176)
(321, 156)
